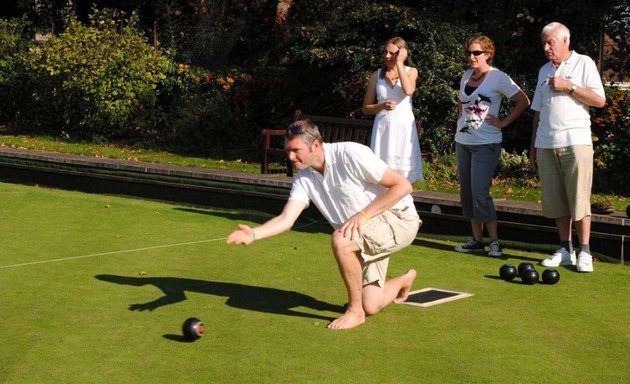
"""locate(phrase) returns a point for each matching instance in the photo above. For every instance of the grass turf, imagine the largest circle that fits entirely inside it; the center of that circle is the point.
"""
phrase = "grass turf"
(129, 272)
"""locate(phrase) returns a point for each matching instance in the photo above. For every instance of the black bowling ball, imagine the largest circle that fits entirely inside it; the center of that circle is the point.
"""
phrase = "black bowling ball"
(550, 276)
(529, 276)
(507, 272)
(522, 267)
(193, 328)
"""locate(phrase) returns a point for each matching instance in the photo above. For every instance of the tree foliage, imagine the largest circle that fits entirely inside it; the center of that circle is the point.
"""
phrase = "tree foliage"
(89, 81)
(611, 136)
(341, 42)
(281, 55)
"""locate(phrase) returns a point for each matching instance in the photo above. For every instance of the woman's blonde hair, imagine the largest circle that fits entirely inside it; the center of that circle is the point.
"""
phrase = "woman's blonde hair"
(397, 41)
(400, 43)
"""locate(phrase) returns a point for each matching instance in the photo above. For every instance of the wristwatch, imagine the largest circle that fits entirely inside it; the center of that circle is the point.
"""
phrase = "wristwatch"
(573, 88)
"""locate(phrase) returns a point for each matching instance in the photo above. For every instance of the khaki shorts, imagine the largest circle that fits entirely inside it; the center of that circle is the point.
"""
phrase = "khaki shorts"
(383, 235)
(566, 178)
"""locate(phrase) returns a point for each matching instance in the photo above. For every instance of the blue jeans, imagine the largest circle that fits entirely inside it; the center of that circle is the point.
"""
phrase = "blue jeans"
(476, 165)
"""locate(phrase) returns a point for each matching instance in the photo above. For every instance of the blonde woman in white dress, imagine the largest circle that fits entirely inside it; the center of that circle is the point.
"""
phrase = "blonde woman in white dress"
(388, 96)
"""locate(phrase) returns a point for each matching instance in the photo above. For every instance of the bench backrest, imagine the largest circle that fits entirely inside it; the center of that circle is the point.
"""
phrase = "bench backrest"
(336, 129)
(332, 129)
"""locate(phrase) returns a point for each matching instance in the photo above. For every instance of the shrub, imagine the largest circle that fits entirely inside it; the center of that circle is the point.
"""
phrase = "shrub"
(337, 40)
(13, 36)
(514, 165)
(91, 81)
(199, 113)
(13, 39)
(611, 143)
(441, 172)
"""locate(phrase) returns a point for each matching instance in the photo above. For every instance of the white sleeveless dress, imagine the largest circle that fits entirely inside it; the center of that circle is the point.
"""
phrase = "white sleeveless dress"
(394, 135)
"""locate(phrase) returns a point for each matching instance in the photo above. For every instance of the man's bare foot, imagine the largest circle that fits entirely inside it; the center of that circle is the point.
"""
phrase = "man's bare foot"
(408, 279)
(350, 319)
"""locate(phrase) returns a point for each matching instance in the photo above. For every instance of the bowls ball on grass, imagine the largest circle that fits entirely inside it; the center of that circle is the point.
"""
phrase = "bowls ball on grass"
(193, 328)
(550, 276)
(507, 272)
(529, 276)
(522, 267)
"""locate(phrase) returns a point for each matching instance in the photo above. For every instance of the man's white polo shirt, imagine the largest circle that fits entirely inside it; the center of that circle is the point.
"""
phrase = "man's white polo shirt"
(349, 183)
(564, 120)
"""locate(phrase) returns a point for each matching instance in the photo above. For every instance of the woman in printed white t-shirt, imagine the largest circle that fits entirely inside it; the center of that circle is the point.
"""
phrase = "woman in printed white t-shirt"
(478, 138)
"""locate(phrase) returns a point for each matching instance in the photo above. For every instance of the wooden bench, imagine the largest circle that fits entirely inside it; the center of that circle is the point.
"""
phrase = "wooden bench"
(333, 130)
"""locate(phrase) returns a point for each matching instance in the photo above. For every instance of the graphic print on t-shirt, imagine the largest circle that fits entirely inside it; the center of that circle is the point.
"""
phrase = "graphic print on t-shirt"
(476, 111)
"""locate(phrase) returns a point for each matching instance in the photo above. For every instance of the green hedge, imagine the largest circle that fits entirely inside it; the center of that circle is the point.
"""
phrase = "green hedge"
(344, 45)
(104, 82)
(611, 142)
(88, 82)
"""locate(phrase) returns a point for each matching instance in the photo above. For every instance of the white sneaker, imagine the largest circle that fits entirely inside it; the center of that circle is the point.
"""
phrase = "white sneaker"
(496, 250)
(585, 262)
(560, 257)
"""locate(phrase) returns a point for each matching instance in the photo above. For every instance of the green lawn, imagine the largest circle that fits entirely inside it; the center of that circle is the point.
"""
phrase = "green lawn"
(45, 143)
(95, 289)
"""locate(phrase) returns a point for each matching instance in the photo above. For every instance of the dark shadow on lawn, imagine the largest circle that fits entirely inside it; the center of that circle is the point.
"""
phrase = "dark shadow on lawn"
(310, 223)
(236, 215)
(178, 338)
(516, 280)
(506, 254)
(261, 299)
(532, 260)
(431, 244)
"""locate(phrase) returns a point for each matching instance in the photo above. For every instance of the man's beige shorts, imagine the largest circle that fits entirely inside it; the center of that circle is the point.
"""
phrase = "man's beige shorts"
(383, 235)
(566, 177)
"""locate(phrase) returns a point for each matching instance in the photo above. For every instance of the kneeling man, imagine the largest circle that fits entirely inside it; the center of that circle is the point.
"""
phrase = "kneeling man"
(367, 203)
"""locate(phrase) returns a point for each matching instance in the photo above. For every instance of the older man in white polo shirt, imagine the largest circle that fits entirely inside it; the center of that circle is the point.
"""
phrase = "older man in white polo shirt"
(367, 203)
(562, 147)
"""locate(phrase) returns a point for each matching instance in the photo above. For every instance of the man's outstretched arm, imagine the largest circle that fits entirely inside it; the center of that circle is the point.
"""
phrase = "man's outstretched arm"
(283, 222)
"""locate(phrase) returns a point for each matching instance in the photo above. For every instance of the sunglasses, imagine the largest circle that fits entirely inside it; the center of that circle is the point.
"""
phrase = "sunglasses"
(294, 131)
(474, 53)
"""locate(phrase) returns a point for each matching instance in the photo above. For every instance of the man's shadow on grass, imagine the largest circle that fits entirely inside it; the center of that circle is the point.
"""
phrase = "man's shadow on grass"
(260, 299)
(310, 222)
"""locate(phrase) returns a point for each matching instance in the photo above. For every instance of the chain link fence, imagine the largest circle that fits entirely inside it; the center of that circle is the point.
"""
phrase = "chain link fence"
(197, 44)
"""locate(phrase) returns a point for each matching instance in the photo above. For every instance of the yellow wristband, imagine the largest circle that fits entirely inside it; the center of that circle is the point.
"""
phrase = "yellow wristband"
(365, 215)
